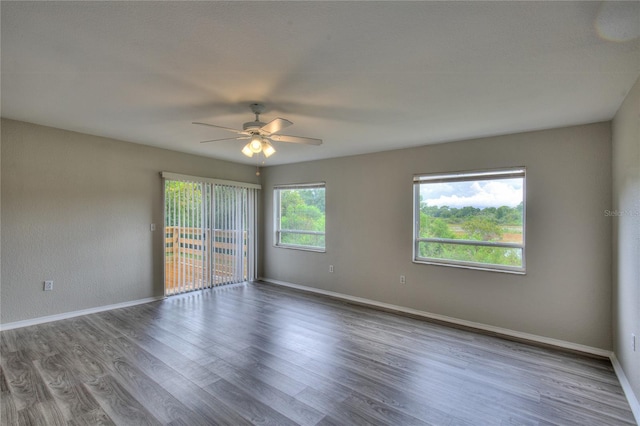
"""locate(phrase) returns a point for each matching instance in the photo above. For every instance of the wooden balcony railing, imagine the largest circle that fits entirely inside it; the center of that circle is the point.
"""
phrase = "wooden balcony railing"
(197, 258)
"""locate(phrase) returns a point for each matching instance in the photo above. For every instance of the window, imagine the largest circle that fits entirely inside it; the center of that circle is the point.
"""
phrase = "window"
(299, 216)
(471, 219)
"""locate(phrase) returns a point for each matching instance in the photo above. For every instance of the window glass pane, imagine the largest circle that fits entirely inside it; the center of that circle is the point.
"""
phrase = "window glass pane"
(486, 210)
(296, 239)
(302, 209)
(301, 220)
(504, 256)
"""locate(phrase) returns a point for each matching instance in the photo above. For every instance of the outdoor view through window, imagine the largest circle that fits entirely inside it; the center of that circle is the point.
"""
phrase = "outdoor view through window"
(472, 219)
(300, 216)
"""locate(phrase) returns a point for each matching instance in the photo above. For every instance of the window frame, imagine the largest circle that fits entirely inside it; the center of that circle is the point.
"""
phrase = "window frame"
(277, 231)
(468, 176)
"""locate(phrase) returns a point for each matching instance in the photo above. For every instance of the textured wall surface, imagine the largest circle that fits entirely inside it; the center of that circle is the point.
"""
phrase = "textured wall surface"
(566, 293)
(626, 235)
(77, 209)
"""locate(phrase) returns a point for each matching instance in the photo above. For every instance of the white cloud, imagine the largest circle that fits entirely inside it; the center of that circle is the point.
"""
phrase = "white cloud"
(493, 193)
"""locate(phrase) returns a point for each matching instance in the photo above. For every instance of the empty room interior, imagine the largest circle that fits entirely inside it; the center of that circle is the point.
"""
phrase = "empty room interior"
(320, 213)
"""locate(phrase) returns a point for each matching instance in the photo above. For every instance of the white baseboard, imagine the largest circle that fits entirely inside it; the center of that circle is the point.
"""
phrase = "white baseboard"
(67, 315)
(471, 324)
(626, 387)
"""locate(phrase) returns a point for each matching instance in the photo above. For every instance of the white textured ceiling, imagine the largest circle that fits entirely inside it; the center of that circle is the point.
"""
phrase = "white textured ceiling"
(363, 76)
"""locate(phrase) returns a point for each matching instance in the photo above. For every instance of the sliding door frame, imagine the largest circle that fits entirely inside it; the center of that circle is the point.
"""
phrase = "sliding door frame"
(240, 219)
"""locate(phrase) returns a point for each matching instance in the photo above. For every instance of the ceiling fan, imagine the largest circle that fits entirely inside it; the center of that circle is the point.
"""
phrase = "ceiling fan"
(260, 135)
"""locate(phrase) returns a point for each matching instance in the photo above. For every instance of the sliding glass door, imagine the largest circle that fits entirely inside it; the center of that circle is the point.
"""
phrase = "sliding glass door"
(209, 233)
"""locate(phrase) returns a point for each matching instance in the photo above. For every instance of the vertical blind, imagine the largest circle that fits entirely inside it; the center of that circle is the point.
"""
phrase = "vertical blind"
(210, 232)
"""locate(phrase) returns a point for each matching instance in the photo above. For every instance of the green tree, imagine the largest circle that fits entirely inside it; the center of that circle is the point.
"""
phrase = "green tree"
(467, 211)
(314, 197)
(183, 203)
(296, 214)
(482, 229)
(444, 212)
(434, 227)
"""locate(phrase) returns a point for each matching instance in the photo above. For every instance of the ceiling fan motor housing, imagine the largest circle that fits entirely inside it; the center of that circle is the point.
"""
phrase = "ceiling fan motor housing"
(252, 126)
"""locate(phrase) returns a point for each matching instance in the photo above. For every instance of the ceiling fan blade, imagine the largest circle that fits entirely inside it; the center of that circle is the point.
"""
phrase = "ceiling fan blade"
(226, 139)
(240, 132)
(275, 125)
(296, 139)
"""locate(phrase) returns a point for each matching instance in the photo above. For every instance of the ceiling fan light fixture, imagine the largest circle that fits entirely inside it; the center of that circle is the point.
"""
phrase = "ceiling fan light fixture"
(247, 150)
(268, 150)
(256, 144)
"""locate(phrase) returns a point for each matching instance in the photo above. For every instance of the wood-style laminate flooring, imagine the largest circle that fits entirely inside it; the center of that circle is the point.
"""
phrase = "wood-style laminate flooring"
(267, 355)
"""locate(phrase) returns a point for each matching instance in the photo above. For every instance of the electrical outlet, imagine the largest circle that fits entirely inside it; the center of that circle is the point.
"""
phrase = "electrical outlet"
(403, 279)
(153, 227)
(48, 285)
(330, 268)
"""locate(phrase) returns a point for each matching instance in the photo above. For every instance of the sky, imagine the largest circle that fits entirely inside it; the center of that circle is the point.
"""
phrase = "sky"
(479, 194)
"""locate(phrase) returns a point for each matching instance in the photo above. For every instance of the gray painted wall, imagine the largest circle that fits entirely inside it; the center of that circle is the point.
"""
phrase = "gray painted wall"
(626, 235)
(566, 293)
(77, 209)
